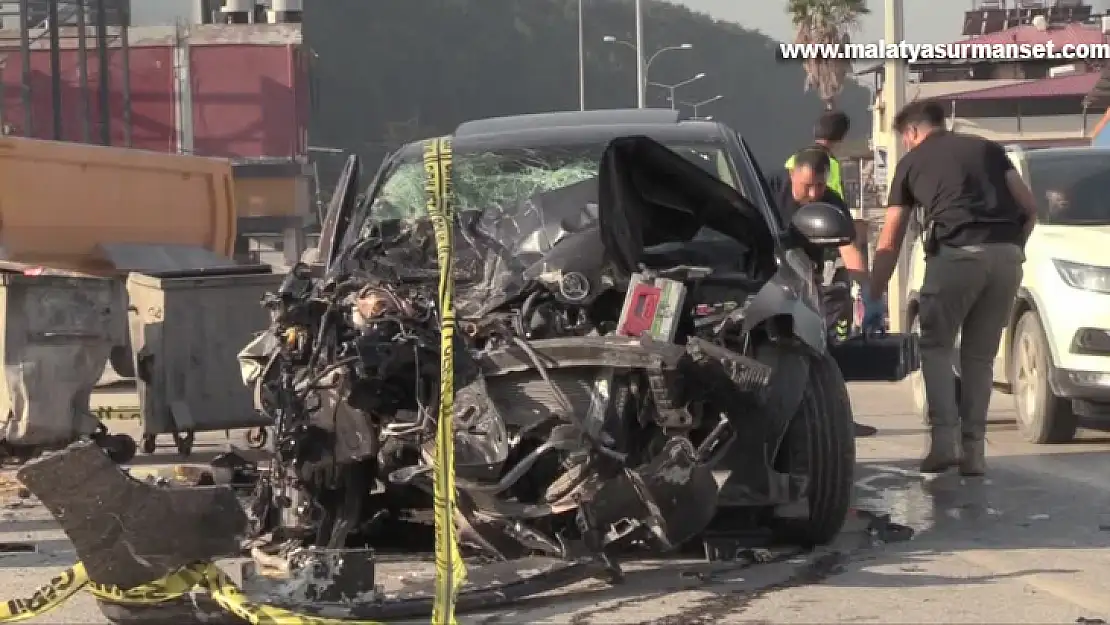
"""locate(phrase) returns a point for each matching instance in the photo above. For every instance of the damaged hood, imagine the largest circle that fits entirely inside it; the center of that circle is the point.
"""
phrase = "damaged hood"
(526, 215)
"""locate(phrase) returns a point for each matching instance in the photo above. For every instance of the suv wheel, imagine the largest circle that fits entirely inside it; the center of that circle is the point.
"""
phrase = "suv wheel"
(917, 379)
(821, 439)
(1042, 416)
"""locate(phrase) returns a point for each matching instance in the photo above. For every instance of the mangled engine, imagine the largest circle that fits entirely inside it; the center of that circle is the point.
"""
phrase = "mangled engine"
(578, 428)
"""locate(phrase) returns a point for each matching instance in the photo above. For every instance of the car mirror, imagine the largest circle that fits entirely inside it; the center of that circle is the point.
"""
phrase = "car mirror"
(823, 225)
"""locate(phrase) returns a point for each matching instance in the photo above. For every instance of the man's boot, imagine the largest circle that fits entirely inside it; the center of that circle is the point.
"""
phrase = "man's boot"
(973, 455)
(943, 450)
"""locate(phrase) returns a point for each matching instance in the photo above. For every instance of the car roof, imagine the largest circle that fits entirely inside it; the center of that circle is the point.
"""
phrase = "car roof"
(577, 127)
(567, 119)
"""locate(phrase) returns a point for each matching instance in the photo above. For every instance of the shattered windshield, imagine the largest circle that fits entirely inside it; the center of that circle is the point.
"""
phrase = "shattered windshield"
(501, 180)
(526, 214)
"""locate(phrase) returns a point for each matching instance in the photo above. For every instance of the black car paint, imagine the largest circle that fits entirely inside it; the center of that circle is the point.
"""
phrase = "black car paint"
(783, 296)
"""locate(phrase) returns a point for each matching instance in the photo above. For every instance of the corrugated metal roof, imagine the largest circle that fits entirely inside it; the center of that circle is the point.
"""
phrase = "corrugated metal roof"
(1073, 85)
(1059, 35)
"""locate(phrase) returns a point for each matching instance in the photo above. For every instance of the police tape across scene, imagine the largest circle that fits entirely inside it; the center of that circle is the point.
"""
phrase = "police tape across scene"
(450, 568)
(199, 578)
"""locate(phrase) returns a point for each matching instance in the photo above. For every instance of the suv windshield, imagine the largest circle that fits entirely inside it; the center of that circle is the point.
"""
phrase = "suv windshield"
(1071, 188)
(501, 180)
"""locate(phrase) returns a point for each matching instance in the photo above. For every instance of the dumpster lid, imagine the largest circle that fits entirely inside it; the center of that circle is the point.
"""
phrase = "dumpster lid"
(158, 259)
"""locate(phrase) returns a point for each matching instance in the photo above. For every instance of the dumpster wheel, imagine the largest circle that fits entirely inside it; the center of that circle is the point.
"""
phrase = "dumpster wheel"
(184, 442)
(150, 443)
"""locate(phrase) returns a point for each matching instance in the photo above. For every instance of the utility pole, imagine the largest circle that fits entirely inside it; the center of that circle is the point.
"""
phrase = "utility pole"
(894, 98)
(641, 82)
(581, 60)
(53, 30)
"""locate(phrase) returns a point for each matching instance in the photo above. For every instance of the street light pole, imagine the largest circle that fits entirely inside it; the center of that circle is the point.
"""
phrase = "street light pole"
(641, 68)
(697, 105)
(674, 87)
(894, 98)
(644, 67)
(581, 60)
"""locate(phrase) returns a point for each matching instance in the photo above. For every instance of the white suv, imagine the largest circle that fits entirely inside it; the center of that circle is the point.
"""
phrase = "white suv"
(1055, 353)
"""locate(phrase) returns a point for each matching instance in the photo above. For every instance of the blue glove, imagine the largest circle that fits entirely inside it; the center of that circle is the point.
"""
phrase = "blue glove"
(874, 315)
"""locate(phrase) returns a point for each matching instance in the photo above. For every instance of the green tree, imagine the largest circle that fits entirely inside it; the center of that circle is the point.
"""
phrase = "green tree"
(826, 22)
(391, 71)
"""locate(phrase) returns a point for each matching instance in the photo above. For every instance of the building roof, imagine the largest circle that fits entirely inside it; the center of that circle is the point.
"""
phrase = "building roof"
(945, 88)
(1100, 94)
(1059, 35)
(1061, 86)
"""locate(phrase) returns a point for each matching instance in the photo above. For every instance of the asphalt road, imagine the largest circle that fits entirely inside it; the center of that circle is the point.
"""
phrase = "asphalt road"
(1030, 543)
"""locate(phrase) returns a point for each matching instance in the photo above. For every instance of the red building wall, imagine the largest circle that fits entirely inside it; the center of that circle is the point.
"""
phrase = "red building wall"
(248, 100)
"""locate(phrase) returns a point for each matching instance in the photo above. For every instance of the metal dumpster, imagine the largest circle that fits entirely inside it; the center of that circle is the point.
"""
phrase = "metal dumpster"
(56, 334)
(186, 331)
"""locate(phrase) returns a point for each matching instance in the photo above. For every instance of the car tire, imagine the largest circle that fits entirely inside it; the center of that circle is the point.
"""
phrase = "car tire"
(1042, 416)
(821, 443)
(917, 378)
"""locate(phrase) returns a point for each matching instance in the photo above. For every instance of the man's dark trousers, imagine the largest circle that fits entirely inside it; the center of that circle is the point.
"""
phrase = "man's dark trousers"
(967, 292)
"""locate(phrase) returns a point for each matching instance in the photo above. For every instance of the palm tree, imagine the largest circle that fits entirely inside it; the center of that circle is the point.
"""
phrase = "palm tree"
(826, 21)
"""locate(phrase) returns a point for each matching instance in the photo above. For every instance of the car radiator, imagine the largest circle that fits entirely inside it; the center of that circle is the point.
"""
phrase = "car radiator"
(525, 399)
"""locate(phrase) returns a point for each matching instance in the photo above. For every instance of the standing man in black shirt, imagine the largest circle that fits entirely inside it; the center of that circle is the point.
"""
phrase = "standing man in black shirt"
(978, 214)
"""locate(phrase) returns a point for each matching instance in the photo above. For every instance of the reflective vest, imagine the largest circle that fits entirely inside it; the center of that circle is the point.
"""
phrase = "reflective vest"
(834, 174)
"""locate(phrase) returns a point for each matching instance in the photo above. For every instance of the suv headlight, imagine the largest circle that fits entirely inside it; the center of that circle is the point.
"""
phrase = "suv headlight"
(1085, 277)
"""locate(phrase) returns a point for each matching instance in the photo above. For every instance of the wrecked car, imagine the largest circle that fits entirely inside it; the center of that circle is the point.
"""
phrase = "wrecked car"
(642, 354)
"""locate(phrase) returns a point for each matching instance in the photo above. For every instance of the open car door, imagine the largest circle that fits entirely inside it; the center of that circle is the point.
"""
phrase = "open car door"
(340, 207)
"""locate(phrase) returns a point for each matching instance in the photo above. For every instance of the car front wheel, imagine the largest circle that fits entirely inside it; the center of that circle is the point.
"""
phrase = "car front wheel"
(820, 443)
(1042, 416)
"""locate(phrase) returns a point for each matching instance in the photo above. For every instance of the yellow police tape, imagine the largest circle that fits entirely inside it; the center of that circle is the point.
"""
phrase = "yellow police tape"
(450, 570)
(201, 577)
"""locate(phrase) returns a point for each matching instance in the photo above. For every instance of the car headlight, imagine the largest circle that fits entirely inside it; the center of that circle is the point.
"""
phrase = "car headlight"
(1085, 277)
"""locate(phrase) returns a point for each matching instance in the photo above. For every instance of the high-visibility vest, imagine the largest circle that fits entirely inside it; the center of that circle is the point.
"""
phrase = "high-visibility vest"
(834, 175)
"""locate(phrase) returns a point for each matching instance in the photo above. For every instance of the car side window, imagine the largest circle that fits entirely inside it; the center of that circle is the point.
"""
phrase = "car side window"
(724, 172)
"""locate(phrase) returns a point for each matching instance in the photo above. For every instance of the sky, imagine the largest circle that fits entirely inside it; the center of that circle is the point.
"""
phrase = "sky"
(927, 21)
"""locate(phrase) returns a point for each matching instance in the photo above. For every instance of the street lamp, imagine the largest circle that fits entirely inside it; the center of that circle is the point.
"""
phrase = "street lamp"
(642, 66)
(674, 87)
(697, 105)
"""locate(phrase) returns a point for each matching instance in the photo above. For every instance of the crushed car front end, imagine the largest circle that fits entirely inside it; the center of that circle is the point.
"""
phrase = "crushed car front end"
(615, 298)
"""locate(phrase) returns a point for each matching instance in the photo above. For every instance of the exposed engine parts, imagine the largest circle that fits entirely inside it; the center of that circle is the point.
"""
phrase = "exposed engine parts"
(599, 376)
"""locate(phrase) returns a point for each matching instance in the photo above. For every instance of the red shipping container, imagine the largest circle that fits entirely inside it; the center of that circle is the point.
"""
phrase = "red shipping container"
(248, 99)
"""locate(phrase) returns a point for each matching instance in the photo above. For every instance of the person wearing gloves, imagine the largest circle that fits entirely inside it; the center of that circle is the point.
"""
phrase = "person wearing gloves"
(978, 214)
